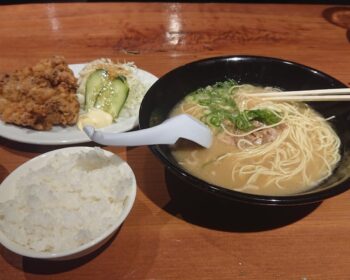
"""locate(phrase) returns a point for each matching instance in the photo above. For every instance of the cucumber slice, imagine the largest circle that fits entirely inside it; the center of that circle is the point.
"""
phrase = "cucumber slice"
(94, 85)
(103, 100)
(113, 96)
(119, 94)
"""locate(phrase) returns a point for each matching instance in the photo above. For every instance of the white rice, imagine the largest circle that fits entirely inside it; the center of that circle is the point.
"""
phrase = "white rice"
(137, 89)
(72, 200)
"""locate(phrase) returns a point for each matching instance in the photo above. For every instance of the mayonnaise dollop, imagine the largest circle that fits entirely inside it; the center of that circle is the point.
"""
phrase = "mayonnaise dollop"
(96, 118)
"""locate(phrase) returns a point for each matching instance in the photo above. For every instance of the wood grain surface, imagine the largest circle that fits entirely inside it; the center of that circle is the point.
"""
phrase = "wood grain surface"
(174, 232)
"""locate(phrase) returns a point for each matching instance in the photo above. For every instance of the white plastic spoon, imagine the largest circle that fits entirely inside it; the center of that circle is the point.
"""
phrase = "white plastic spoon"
(168, 132)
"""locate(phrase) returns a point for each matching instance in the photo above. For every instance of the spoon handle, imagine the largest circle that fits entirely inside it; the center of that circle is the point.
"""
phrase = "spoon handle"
(150, 136)
(167, 132)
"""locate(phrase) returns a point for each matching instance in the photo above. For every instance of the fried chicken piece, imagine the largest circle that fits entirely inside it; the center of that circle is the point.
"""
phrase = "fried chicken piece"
(40, 96)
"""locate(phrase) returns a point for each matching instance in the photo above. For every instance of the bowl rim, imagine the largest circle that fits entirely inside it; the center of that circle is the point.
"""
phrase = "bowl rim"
(83, 249)
(285, 200)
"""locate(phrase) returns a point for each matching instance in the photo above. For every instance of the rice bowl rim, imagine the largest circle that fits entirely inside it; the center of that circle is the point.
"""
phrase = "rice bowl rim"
(40, 161)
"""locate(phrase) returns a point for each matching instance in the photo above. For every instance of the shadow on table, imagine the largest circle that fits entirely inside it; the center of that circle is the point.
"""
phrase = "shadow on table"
(3, 173)
(20, 148)
(47, 267)
(203, 209)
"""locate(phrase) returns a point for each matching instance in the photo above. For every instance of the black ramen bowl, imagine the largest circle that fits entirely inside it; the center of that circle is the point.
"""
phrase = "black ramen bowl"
(262, 71)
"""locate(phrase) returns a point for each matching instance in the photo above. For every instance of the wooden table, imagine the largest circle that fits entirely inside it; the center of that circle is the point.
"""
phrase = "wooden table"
(172, 232)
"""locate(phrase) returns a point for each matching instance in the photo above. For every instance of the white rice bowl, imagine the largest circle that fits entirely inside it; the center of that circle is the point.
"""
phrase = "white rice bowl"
(66, 203)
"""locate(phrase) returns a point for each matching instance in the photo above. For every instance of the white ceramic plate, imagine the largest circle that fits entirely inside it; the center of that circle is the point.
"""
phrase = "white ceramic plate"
(8, 191)
(70, 135)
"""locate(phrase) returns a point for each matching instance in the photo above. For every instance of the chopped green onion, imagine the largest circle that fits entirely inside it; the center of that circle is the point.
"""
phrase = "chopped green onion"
(220, 107)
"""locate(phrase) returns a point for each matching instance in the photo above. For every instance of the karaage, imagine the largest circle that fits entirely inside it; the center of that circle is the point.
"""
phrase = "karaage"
(40, 96)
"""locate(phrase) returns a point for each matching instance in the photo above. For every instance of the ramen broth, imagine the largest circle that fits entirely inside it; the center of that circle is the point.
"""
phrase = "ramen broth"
(291, 154)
